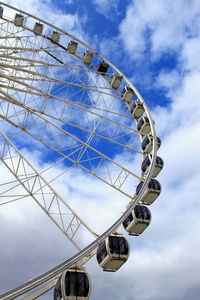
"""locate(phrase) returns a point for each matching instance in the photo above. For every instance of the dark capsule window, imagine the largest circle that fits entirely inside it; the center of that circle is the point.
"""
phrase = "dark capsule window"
(158, 141)
(118, 245)
(159, 161)
(145, 142)
(142, 212)
(154, 185)
(76, 284)
(133, 106)
(128, 220)
(57, 290)
(139, 187)
(101, 252)
(146, 163)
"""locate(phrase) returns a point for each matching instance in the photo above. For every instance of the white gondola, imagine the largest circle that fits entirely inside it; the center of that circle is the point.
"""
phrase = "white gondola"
(144, 125)
(1, 12)
(151, 193)
(158, 165)
(19, 20)
(72, 47)
(113, 252)
(55, 37)
(115, 81)
(87, 57)
(138, 220)
(147, 144)
(136, 109)
(74, 284)
(38, 28)
(127, 94)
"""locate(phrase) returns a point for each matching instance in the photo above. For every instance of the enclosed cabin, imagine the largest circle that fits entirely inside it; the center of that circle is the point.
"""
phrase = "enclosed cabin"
(151, 193)
(72, 47)
(19, 20)
(55, 37)
(157, 168)
(144, 125)
(87, 57)
(147, 144)
(127, 94)
(115, 81)
(136, 109)
(138, 220)
(102, 68)
(38, 28)
(113, 252)
(1, 12)
(74, 284)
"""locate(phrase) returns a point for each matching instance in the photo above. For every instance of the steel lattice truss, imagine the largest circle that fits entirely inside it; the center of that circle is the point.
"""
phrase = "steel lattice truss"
(51, 97)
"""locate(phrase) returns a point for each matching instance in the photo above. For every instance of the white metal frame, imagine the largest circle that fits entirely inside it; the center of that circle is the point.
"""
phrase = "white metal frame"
(26, 112)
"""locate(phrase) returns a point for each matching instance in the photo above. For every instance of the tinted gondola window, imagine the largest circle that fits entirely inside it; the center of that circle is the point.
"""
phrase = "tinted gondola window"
(146, 163)
(76, 284)
(118, 245)
(159, 161)
(83, 285)
(133, 105)
(57, 290)
(128, 220)
(101, 252)
(139, 187)
(158, 140)
(154, 185)
(142, 212)
(145, 142)
(140, 123)
(123, 245)
(70, 284)
(113, 245)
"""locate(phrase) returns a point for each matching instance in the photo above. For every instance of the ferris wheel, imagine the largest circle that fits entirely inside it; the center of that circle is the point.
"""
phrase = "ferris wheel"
(63, 98)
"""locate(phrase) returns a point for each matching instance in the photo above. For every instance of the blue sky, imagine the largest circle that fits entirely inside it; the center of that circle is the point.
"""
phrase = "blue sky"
(156, 44)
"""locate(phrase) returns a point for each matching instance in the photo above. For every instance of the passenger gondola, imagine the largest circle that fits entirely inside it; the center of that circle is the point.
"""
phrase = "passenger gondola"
(157, 168)
(115, 81)
(127, 94)
(136, 109)
(87, 57)
(138, 220)
(38, 28)
(74, 284)
(19, 20)
(147, 144)
(55, 37)
(144, 125)
(151, 193)
(72, 47)
(102, 68)
(113, 252)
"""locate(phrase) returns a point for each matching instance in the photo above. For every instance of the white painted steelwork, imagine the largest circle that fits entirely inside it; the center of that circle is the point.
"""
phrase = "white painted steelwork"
(37, 100)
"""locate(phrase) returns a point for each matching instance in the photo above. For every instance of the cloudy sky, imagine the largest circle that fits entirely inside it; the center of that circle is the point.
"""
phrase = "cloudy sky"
(156, 44)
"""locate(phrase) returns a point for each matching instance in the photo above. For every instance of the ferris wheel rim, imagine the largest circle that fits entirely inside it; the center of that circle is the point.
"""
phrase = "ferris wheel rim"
(92, 246)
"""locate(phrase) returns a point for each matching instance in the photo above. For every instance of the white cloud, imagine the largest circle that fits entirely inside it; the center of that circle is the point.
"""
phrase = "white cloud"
(161, 25)
(106, 7)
